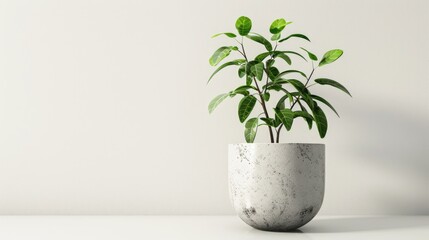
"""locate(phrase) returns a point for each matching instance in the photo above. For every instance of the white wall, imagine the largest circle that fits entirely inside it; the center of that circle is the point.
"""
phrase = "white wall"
(103, 104)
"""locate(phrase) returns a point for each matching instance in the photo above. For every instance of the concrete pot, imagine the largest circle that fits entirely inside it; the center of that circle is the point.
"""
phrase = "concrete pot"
(276, 186)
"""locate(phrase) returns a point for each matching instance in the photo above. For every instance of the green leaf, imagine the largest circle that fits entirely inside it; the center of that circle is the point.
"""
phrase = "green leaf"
(219, 55)
(245, 87)
(270, 122)
(309, 121)
(290, 96)
(249, 66)
(243, 25)
(270, 63)
(274, 87)
(303, 91)
(278, 25)
(291, 71)
(310, 54)
(308, 100)
(320, 99)
(296, 35)
(276, 37)
(281, 103)
(242, 90)
(295, 53)
(321, 122)
(234, 62)
(266, 96)
(284, 57)
(242, 71)
(262, 56)
(249, 80)
(228, 34)
(245, 107)
(297, 84)
(285, 116)
(216, 101)
(303, 114)
(250, 129)
(331, 56)
(260, 39)
(273, 72)
(258, 70)
(326, 81)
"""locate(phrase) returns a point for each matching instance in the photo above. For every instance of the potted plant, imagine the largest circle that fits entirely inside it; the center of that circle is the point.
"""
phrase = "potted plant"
(275, 186)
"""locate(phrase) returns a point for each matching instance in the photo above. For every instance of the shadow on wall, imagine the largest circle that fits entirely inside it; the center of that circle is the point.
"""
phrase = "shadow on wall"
(397, 143)
(359, 224)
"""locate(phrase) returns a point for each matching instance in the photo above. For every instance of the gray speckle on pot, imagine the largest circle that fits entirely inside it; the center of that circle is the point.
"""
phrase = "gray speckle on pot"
(276, 187)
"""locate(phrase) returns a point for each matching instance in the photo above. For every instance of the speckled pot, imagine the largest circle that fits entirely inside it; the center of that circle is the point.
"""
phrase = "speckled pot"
(276, 186)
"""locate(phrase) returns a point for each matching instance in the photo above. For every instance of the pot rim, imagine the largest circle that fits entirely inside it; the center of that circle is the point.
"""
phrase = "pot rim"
(314, 144)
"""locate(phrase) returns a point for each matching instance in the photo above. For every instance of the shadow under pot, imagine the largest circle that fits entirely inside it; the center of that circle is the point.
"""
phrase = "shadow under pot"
(276, 186)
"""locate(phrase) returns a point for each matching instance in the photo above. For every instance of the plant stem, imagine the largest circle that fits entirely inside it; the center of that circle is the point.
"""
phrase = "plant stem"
(262, 102)
(264, 107)
(293, 104)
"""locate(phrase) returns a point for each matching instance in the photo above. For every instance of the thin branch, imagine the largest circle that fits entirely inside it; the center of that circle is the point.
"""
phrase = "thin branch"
(296, 100)
(262, 102)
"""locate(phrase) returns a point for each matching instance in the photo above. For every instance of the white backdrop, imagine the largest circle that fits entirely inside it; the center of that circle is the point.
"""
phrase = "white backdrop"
(103, 104)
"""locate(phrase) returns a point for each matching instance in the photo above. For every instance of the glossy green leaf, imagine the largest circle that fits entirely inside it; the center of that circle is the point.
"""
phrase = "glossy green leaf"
(249, 80)
(270, 122)
(250, 129)
(245, 87)
(285, 116)
(278, 25)
(291, 71)
(321, 121)
(243, 90)
(331, 56)
(249, 67)
(281, 103)
(231, 63)
(243, 25)
(297, 84)
(273, 72)
(266, 96)
(309, 121)
(270, 63)
(219, 55)
(260, 39)
(284, 57)
(276, 37)
(258, 70)
(228, 34)
(262, 56)
(308, 100)
(326, 81)
(290, 96)
(273, 87)
(310, 54)
(296, 35)
(320, 99)
(295, 53)
(303, 114)
(245, 107)
(216, 101)
(242, 71)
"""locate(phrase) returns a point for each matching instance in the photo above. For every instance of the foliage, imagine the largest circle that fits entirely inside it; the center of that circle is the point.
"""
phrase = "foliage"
(262, 77)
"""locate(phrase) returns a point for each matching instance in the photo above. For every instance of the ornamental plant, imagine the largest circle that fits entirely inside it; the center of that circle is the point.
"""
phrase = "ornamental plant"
(262, 76)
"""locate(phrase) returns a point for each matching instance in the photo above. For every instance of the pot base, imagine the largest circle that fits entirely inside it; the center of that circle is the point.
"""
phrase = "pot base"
(276, 187)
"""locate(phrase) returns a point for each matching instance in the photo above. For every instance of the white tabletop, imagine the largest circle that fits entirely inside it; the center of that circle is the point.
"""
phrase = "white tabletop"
(206, 228)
